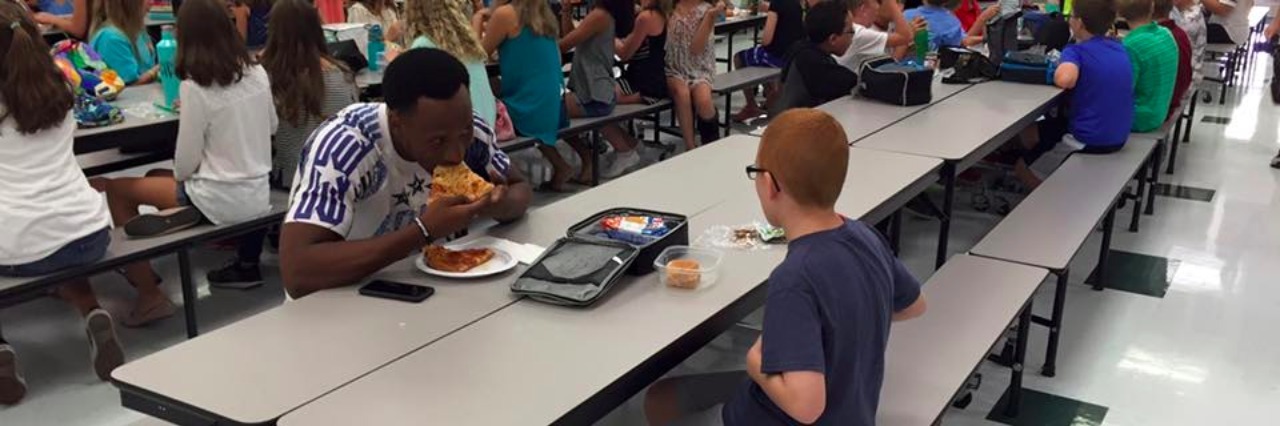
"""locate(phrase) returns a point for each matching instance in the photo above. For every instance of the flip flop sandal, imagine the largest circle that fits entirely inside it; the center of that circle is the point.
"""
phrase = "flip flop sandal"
(163, 222)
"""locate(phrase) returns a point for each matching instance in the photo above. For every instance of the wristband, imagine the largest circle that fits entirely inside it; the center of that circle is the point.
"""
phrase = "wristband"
(423, 228)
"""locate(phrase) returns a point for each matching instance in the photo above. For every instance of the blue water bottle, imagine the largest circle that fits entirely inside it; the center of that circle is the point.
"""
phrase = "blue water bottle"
(376, 46)
(167, 50)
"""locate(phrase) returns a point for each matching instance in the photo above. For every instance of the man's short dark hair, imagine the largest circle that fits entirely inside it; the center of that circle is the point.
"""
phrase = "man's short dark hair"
(1162, 9)
(422, 73)
(825, 19)
(1097, 15)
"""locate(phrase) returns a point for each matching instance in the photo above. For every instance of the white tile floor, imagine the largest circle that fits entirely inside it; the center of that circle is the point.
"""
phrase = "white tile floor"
(1204, 354)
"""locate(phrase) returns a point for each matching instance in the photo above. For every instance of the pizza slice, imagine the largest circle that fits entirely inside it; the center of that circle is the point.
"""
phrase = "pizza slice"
(458, 180)
(443, 259)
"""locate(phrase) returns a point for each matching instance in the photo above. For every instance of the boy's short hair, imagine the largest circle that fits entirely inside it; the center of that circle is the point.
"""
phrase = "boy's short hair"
(807, 152)
(403, 82)
(824, 20)
(1098, 16)
(1134, 10)
(1161, 9)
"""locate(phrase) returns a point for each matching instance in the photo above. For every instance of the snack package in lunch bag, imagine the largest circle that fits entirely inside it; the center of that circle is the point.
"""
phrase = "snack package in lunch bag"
(900, 83)
(91, 74)
(1029, 66)
(503, 127)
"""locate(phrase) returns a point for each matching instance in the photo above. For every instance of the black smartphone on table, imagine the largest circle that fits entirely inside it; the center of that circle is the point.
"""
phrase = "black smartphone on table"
(397, 291)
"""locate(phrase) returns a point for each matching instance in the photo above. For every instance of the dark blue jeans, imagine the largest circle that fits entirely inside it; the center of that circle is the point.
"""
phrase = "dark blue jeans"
(83, 251)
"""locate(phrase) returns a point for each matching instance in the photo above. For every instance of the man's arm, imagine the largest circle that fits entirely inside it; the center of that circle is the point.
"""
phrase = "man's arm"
(801, 394)
(595, 21)
(916, 309)
(903, 32)
(703, 35)
(510, 200)
(979, 29)
(1219, 7)
(825, 79)
(1066, 75)
(770, 24)
(1272, 28)
(313, 258)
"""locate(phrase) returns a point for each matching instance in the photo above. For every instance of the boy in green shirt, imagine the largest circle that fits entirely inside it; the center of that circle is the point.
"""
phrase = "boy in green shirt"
(1154, 56)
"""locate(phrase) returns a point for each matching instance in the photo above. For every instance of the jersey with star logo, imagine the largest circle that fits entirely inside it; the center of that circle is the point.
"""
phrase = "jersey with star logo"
(352, 182)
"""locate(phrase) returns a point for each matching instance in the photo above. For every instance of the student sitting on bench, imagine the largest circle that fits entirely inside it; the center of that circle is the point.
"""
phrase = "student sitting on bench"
(223, 151)
(1163, 16)
(820, 359)
(1099, 109)
(360, 200)
(691, 67)
(813, 77)
(869, 41)
(945, 28)
(1154, 56)
(783, 27)
(53, 220)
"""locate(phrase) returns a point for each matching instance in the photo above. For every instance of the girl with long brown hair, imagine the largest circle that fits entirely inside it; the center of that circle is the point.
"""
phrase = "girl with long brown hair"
(222, 156)
(53, 219)
(307, 85)
(120, 36)
(443, 24)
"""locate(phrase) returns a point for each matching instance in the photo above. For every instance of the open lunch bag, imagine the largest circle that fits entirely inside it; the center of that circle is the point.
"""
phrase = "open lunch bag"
(898, 83)
(582, 267)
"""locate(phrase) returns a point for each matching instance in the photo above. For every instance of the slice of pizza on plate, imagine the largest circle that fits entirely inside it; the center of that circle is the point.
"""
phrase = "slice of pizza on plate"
(457, 261)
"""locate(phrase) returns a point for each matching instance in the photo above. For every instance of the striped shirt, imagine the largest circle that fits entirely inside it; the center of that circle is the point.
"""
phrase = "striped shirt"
(353, 182)
(1154, 56)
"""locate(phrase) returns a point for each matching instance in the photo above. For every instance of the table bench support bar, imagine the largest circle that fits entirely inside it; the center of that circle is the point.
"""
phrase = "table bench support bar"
(1100, 280)
(1156, 158)
(948, 175)
(1020, 358)
(1050, 368)
(188, 293)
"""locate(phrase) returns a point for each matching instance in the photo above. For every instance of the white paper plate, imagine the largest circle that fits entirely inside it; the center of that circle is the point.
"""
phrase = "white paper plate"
(501, 262)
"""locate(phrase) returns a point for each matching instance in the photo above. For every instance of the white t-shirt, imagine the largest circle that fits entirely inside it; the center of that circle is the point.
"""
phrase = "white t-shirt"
(868, 42)
(353, 182)
(1237, 22)
(223, 153)
(45, 200)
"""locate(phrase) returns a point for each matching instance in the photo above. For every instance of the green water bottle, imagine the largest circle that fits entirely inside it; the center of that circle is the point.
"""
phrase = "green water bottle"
(922, 44)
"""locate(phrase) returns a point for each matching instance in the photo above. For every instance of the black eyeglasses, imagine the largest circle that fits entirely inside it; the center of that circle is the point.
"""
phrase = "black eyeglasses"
(754, 172)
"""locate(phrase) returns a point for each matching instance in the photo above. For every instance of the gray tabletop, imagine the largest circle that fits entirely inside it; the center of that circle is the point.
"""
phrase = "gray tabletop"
(1051, 224)
(138, 105)
(971, 301)
(861, 116)
(535, 362)
(306, 348)
(959, 127)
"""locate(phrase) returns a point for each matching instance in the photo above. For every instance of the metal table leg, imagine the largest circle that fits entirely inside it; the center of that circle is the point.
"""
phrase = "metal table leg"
(1014, 403)
(188, 293)
(944, 233)
(1100, 280)
(1055, 325)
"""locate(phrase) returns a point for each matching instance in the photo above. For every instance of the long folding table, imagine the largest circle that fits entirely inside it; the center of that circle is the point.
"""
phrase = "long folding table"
(260, 368)
(963, 129)
(862, 117)
(533, 363)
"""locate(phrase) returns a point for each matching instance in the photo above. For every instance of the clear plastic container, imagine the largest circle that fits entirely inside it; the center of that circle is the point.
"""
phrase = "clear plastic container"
(674, 269)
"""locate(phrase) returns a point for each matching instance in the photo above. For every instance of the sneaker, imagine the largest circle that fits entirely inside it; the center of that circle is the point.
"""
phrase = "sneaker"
(104, 346)
(236, 275)
(623, 163)
(12, 386)
(163, 222)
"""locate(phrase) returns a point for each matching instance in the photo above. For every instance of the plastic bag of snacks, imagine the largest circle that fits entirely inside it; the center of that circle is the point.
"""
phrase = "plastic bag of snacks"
(751, 236)
(634, 229)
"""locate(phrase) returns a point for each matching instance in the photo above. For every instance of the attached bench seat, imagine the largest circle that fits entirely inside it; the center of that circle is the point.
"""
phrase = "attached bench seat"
(741, 78)
(1049, 227)
(125, 250)
(972, 301)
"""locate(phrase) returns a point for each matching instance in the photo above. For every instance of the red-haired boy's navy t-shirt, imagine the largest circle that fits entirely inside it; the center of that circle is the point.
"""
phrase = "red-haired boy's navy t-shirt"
(828, 310)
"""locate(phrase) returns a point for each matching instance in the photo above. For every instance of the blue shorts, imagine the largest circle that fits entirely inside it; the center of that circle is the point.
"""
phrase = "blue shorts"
(86, 250)
(759, 57)
(594, 108)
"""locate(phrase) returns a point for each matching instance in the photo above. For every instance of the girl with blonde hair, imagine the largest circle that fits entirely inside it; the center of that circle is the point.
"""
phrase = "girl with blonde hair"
(523, 33)
(120, 37)
(443, 24)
